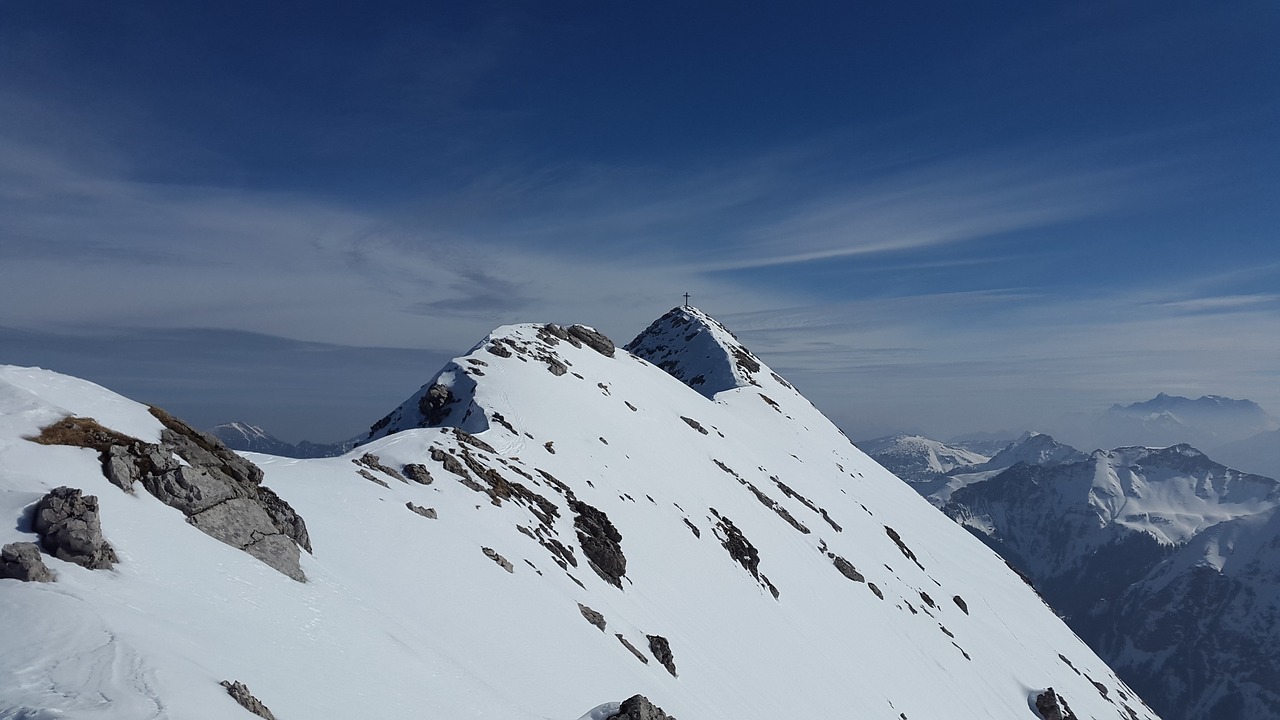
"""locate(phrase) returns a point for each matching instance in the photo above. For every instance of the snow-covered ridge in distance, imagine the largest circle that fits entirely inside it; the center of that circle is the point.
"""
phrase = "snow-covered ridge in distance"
(245, 437)
(1160, 558)
(550, 525)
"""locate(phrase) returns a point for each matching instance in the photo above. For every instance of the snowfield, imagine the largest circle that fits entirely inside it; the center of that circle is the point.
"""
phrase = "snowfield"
(790, 575)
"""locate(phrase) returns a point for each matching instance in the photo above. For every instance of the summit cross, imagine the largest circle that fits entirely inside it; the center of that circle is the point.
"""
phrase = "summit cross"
(686, 299)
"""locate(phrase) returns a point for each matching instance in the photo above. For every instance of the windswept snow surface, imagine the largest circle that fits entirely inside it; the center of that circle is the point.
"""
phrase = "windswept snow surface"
(408, 616)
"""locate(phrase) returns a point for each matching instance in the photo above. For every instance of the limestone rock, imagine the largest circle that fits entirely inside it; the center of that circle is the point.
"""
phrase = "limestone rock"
(592, 339)
(592, 616)
(22, 561)
(240, 693)
(661, 650)
(418, 473)
(69, 528)
(1053, 706)
(426, 512)
(220, 492)
(494, 556)
(638, 707)
(601, 542)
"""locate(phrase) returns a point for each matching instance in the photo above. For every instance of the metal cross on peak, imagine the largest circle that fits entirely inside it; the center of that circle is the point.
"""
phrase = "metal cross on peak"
(686, 299)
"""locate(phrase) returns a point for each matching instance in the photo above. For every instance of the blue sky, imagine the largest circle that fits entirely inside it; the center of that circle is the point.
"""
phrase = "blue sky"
(932, 215)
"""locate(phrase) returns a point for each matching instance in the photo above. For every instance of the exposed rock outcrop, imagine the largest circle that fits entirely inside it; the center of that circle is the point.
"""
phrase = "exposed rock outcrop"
(22, 561)
(70, 529)
(592, 339)
(240, 693)
(601, 542)
(426, 512)
(638, 707)
(592, 616)
(661, 650)
(1053, 706)
(219, 491)
(418, 473)
(502, 562)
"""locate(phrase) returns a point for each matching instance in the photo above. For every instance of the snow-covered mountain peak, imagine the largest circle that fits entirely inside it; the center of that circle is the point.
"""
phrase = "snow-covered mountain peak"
(548, 524)
(1033, 448)
(696, 349)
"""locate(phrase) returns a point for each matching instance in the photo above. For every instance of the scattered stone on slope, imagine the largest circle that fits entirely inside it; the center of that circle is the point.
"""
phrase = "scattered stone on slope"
(897, 539)
(497, 349)
(372, 478)
(846, 568)
(601, 542)
(692, 528)
(468, 439)
(1053, 706)
(450, 463)
(960, 603)
(592, 616)
(70, 529)
(592, 339)
(373, 462)
(418, 473)
(426, 512)
(240, 693)
(661, 650)
(555, 366)
(22, 561)
(695, 425)
(632, 648)
(494, 556)
(637, 707)
(876, 590)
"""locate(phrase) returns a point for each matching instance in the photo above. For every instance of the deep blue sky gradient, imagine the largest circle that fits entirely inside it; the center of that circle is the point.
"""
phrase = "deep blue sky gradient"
(944, 215)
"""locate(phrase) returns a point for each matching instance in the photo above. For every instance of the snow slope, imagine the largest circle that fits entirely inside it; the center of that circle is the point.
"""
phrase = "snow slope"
(791, 575)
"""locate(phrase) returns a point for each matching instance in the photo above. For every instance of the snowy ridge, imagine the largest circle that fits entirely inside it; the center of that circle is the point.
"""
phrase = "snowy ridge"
(918, 459)
(1162, 559)
(455, 564)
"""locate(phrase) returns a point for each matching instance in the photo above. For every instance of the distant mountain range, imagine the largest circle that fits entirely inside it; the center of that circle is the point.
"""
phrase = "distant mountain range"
(251, 438)
(1166, 562)
(1208, 422)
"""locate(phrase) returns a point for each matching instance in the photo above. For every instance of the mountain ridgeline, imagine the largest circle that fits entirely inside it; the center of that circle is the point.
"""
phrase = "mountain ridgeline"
(1163, 560)
(550, 527)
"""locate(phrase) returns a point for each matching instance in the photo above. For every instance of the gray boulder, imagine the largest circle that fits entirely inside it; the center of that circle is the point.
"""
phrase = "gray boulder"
(22, 561)
(240, 693)
(69, 527)
(592, 339)
(638, 707)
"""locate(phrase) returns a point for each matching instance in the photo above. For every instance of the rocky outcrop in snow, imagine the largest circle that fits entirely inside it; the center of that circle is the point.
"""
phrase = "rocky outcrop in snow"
(219, 491)
(69, 528)
(22, 561)
(638, 707)
(240, 693)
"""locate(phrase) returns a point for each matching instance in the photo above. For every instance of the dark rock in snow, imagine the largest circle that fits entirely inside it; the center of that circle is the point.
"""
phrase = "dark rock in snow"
(694, 424)
(960, 603)
(592, 616)
(240, 693)
(494, 556)
(592, 339)
(638, 707)
(627, 644)
(846, 568)
(373, 462)
(70, 529)
(1053, 706)
(22, 561)
(601, 542)
(426, 512)
(434, 405)
(418, 473)
(661, 650)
